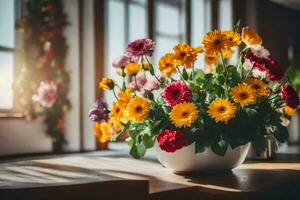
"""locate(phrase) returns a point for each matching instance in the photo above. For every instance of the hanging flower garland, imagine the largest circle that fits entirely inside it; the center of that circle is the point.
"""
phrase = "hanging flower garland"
(43, 82)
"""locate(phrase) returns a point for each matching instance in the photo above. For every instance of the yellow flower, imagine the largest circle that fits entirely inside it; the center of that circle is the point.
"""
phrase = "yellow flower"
(289, 111)
(259, 87)
(250, 37)
(227, 53)
(167, 64)
(214, 42)
(132, 69)
(186, 55)
(115, 124)
(146, 65)
(137, 109)
(107, 84)
(103, 131)
(117, 110)
(211, 59)
(243, 94)
(221, 110)
(124, 96)
(184, 114)
(233, 38)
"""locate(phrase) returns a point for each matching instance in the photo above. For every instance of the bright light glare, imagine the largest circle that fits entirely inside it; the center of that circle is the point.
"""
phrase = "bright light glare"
(6, 80)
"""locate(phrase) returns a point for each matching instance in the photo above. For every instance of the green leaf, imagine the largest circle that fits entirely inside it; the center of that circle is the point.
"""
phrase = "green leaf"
(185, 74)
(137, 150)
(220, 147)
(134, 152)
(199, 148)
(199, 74)
(259, 143)
(151, 70)
(148, 141)
(141, 149)
(280, 133)
(116, 136)
(219, 69)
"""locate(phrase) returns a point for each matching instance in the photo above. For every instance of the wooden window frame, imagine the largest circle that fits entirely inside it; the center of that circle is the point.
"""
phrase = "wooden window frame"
(99, 23)
(14, 112)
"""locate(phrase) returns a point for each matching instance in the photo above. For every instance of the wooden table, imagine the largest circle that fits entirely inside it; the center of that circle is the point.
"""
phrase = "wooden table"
(113, 175)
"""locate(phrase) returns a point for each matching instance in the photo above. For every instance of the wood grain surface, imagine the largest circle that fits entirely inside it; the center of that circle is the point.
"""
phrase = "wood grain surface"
(113, 175)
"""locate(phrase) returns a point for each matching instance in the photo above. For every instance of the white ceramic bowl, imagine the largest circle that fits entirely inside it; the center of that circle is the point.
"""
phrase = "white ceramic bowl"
(186, 160)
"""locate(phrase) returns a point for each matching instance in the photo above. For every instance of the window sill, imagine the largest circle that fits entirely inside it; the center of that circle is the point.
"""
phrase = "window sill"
(13, 115)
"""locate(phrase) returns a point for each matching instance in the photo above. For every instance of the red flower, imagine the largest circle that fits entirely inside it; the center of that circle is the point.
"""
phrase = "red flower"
(274, 71)
(177, 92)
(170, 140)
(290, 96)
(139, 48)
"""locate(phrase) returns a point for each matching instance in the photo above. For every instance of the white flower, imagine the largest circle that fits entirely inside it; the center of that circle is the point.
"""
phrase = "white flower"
(247, 65)
(285, 122)
(258, 74)
(260, 51)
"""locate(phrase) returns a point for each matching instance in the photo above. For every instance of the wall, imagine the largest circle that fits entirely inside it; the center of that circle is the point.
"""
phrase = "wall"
(18, 136)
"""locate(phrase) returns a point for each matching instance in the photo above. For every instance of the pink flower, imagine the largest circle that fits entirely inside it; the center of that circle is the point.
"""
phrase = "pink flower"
(151, 85)
(171, 140)
(46, 94)
(177, 92)
(290, 96)
(139, 48)
(121, 61)
(273, 70)
(141, 81)
(47, 46)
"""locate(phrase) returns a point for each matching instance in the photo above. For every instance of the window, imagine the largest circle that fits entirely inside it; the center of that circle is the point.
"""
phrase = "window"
(8, 43)
(125, 21)
(226, 21)
(168, 22)
(169, 25)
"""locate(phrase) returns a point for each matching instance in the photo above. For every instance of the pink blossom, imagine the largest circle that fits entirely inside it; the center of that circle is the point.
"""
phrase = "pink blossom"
(47, 46)
(132, 85)
(260, 51)
(121, 61)
(139, 48)
(46, 94)
(141, 81)
(151, 85)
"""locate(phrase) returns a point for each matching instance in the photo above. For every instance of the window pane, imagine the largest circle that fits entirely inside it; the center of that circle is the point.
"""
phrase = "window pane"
(137, 22)
(115, 38)
(6, 80)
(200, 25)
(169, 30)
(7, 23)
(167, 18)
(226, 22)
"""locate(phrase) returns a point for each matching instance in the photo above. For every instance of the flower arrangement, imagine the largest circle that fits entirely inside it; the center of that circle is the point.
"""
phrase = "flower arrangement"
(42, 84)
(230, 105)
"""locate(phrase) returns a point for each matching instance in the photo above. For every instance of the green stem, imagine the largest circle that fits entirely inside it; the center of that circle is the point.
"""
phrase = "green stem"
(248, 73)
(137, 87)
(193, 71)
(115, 94)
(154, 73)
(181, 75)
(123, 75)
(225, 74)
